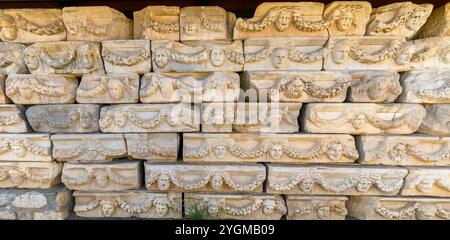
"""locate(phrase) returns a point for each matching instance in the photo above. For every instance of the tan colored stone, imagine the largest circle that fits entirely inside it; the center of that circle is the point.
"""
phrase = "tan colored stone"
(427, 181)
(157, 23)
(25, 147)
(197, 56)
(438, 24)
(127, 56)
(204, 177)
(403, 19)
(235, 206)
(12, 119)
(218, 116)
(12, 58)
(334, 180)
(109, 88)
(425, 87)
(41, 88)
(114, 176)
(150, 118)
(437, 121)
(51, 215)
(3, 98)
(316, 207)
(428, 53)
(155, 147)
(347, 18)
(277, 148)
(189, 87)
(362, 118)
(130, 203)
(88, 147)
(65, 57)
(374, 87)
(30, 25)
(30, 174)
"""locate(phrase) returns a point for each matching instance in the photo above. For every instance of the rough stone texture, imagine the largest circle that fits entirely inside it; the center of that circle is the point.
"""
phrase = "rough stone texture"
(425, 87)
(12, 119)
(437, 121)
(41, 88)
(277, 148)
(438, 24)
(114, 176)
(189, 87)
(429, 53)
(32, 25)
(316, 207)
(12, 58)
(30, 174)
(204, 177)
(3, 98)
(126, 204)
(127, 56)
(88, 147)
(374, 87)
(218, 116)
(25, 147)
(360, 118)
(347, 18)
(235, 206)
(50, 204)
(68, 118)
(334, 180)
(427, 181)
(157, 23)
(150, 118)
(154, 147)
(109, 88)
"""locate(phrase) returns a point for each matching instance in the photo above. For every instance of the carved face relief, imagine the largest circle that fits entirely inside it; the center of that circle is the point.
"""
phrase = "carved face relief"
(398, 153)
(120, 119)
(217, 56)
(306, 185)
(268, 206)
(102, 180)
(279, 56)
(19, 150)
(283, 21)
(161, 207)
(340, 51)
(294, 88)
(163, 181)
(425, 212)
(324, 212)
(216, 182)
(108, 207)
(213, 208)
(220, 151)
(161, 58)
(85, 120)
(190, 26)
(335, 151)
(359, 121)
(116, 88)
(86, 56)
(276, 151)
(345, 21)
(363, 185)
(425, 184)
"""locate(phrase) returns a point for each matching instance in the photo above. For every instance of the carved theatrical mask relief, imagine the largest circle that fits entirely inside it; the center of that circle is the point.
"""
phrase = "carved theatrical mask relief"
(347, 18)
(374, 87)
(153, 146)
(25, 147)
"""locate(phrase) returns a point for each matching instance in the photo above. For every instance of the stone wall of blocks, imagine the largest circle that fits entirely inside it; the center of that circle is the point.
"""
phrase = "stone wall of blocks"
(304, 111)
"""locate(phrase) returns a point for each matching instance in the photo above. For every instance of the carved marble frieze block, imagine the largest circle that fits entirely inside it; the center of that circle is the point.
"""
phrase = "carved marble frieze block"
(12, 58)
(428, 53)
(41, 175)
(347, 18)
(334, 180)
(35, 204)
(204, 177)
(68, 118)
(65, 57)
(197, 56)
(127, 56)
(438, 24)
(150, 118)
(30, 25)
(41, 88)
(88, 147)
(296, 86)
(437, 121)
(277, 148)
(189, 87)
(316, 207)
(218, 116)
(12, 119)
(425, 87)
(154, 147)
(157, 23)
(127, 204)
(114, 176)
(427, 181)
(362, 118)
(96, 24)
(25, 147)
(235, 206)
(3, 98)
(374, 87)
(109, 88)
(398, 208)
(403, 19)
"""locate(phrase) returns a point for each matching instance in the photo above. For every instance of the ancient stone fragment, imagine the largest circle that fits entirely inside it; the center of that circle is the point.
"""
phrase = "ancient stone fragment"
(425, 87)
(12, 119)
(218, 116)
(428, 53)
(25, 147)
(427, 181)
(157, 23)
(347, 18)
(127, 56)
(316, 207)
(374, 87)
(438, 24)
(155, 147)
(3, 98)
(30, 174)
(437, 121)
(12, 58)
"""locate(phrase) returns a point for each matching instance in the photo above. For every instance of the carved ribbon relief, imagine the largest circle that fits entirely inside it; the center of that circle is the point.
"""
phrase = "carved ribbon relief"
(159, 26)
(379, 87)
(114, 87)
(102, 176)
(421, 211)
(20, 147)
(401, 152)
(133, 59)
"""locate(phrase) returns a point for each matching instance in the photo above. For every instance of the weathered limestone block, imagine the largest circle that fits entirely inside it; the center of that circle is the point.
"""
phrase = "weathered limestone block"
(218, 116)
(374, 87)
(150, 118)
(437, 121)
(277, 148)
(3, 98)
(347, 18)
(88, 147)
(96, 24)
(25, 147)
(363, 118)
(197, 56)
(398, 208)
(114, 176)
(49, 204)
(127, 56)
(12, 119)
(68, 118)
(65, 57)
(156, 147)
(334, 180)
(235, 206)
(189, 87)
(126, 204)
(428, 53)
(403, 19)
(425, 87)
(438, 24)
(366, 53)
(285, 19)
(418, 150)
(204, 177)
(427, 181)
(41, 88)
(32, 25)
(109, 88)
(281, 86)
(267, 117)
(30, 174)
(157, 23)
(316, 207)
(12, 58)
